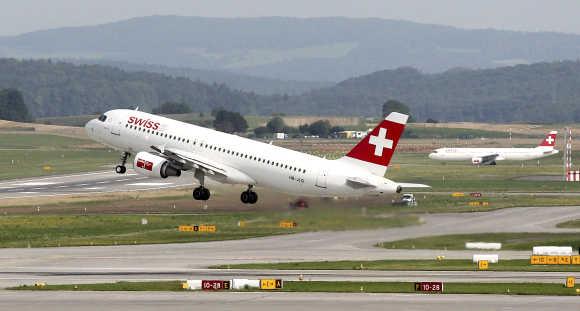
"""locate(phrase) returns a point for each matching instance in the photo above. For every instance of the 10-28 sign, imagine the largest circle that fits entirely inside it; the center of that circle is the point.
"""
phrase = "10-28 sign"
(433, 287)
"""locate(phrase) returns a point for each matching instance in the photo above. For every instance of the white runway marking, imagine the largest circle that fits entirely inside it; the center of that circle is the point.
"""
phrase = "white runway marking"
(35, 183)
(62, 186)
(93, 188)
(151, 184)
(28, 192)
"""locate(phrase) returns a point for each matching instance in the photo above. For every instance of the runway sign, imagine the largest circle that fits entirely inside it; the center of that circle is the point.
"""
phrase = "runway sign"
(476, 194)
(270, 284)
(535, 260)
(198, 228)
(458, 194)
(570, 282)
(431, 287)
(576, 260)
(552, 260)
(288, 224)
(563, 260)
(185, 228)
(215, 285)
(483, 265)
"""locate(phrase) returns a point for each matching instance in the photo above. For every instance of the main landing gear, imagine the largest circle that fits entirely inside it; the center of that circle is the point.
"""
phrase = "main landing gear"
(122, 169)
(201, 192)
(249, 196)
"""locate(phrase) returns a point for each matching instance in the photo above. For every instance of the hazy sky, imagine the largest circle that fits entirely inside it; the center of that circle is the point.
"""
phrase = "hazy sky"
(19, 16)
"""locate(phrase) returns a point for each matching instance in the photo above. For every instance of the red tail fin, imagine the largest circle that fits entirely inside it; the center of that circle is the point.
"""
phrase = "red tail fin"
(550, 140)
(377, 148)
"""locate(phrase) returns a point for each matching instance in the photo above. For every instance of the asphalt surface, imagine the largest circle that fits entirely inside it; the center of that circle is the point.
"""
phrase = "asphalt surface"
(190, 260)
(49, 301)
(87, 183)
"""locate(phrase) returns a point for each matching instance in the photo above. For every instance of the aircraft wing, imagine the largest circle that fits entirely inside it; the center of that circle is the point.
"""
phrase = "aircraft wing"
(191, 161)
(489, 157)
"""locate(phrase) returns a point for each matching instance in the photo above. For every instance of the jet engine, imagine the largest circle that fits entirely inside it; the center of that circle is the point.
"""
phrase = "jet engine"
(151, 165)
(483, 160)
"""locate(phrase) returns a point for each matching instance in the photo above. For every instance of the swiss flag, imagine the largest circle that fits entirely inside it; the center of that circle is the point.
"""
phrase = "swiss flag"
(550, 140)
(379, 145)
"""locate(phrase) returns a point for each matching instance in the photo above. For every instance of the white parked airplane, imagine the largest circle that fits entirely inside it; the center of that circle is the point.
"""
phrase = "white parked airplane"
(489, 156)
(164, 147)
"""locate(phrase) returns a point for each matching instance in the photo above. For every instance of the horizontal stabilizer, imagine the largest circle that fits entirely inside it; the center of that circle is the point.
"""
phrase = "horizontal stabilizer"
(408, 185)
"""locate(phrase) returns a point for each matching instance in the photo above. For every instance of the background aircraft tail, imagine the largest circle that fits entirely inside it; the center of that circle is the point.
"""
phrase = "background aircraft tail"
(374, 152)
(550, 140)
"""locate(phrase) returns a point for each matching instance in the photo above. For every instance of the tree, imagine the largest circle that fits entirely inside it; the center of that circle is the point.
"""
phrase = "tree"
(396, 106)
(431, 121)
(12, 106)
(262, 131)
(172, 108)
(320, 128)
(229, 122)
(276, 125)
(336, 129)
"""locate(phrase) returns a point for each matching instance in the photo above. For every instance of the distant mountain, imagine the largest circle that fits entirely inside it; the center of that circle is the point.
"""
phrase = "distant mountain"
(62, 89)
(247, 83)
(543, 92)
(305, 49)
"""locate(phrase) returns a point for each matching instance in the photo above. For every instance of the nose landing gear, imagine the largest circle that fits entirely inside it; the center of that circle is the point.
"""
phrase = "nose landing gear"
(122, 169)
(249, 196)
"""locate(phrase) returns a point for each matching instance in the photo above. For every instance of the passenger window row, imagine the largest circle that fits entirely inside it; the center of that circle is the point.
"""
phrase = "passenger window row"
(219, 149)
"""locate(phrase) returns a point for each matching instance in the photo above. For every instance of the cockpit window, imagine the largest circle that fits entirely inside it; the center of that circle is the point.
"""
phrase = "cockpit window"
(102, 118)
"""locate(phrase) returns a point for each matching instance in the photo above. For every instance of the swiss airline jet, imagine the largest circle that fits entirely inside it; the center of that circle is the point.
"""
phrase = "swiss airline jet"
(489, 156)
(164, 148)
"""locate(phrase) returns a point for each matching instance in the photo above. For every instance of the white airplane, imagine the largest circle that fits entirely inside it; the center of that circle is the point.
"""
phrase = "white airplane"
(164, 148)
(489, 156)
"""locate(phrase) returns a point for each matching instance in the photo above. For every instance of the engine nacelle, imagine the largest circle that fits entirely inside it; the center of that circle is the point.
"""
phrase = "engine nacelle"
(476, 161)
(151, 165)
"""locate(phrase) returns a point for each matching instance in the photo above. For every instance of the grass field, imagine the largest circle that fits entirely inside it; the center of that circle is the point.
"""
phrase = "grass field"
(510, 241)
(30, 155)
(570, 224)
(405, 265)
(67, 230)
(544, 289)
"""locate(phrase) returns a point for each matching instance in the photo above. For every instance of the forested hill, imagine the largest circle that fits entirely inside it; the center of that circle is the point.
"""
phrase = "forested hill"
(543, 92)
(58, 89)
(307, 49)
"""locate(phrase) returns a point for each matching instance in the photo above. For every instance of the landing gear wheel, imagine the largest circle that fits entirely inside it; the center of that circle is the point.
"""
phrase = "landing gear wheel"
(253, 197)
(120, 169)
(201, 193)
(249, 197)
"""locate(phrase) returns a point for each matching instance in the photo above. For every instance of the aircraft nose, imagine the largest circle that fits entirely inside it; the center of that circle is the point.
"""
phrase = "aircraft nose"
(432, 155)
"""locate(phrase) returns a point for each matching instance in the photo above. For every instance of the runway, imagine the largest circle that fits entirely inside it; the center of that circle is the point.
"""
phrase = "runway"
(185, 260)
(139, 301)
(190, 260)
(87, 183)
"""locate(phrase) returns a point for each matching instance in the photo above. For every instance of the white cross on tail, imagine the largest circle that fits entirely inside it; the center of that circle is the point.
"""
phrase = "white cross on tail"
(380, 142)
(549, 140)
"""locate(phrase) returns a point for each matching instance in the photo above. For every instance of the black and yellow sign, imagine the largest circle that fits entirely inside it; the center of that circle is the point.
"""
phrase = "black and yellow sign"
(576, 260)
(570, 282)
(483, 265)
(288, 224)
(271, 284)
(198, 228)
